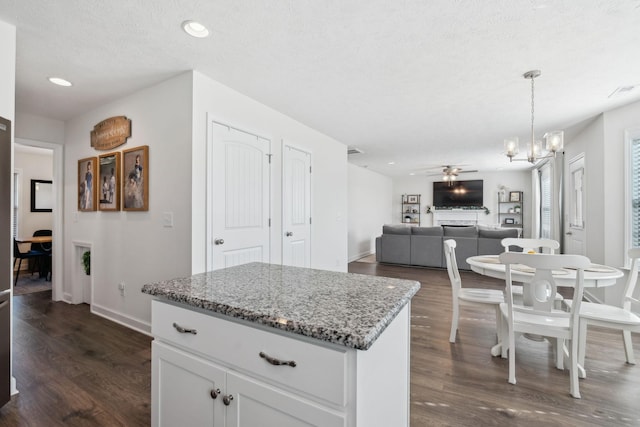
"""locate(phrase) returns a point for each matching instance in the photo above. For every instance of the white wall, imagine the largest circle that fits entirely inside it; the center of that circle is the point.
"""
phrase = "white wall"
(370, 200)
(513, 181)
(616, 123)
(37, 128)
(33, 166)
(329, 178)
(134, 247)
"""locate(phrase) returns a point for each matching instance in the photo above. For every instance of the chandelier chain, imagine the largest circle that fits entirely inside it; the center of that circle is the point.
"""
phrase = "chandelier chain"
(532, 111)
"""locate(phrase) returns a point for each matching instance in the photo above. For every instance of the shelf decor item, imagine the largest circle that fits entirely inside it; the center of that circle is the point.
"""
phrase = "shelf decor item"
(412, 199)
(514, 196)
(86, 262)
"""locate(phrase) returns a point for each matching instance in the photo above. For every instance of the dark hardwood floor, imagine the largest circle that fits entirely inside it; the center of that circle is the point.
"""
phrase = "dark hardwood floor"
(461, 384)
(77, 369)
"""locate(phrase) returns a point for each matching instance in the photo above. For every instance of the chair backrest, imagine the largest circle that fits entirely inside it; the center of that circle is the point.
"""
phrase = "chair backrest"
(544, 286)
(452, 266)
(630, 286)
(42, 247)
(547, 245)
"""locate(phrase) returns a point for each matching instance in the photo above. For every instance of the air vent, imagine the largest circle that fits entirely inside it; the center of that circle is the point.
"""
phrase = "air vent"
(621, 90)
(354, 150)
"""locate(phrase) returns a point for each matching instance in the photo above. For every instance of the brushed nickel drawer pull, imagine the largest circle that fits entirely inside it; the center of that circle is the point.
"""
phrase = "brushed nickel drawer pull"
(277, 362)
(184, 330)
(214, 393)
(226, 399)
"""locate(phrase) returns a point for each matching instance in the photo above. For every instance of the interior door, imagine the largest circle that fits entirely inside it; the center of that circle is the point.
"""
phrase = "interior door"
(575, 234)
(240, 197)
(296, 207)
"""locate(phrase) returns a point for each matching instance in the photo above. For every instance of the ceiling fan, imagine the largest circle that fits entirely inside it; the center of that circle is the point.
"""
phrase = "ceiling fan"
(450, 173)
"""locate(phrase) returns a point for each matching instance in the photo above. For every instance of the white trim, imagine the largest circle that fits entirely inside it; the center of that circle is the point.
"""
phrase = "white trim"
(57, 267)
(629, 135)
(77, 293)
(122, 319)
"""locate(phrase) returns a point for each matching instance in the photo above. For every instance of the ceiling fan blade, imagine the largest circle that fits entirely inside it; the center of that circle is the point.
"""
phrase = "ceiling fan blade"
(467, 171)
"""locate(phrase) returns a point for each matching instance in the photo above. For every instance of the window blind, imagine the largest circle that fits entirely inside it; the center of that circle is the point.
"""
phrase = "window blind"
(635, 193)
(545, 202)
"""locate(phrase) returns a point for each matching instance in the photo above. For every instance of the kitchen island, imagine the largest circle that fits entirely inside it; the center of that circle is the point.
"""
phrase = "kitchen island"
(264, 344)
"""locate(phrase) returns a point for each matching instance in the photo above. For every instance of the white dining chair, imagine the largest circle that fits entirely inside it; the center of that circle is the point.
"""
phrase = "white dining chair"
(541, 318)
(613, 317)
(528, 245)
(477, 297)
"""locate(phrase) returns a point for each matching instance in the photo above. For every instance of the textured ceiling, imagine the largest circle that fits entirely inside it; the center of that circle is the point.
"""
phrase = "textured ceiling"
(420, 83)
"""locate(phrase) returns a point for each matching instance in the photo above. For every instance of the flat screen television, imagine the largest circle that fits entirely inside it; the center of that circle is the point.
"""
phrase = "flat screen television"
(458, 194)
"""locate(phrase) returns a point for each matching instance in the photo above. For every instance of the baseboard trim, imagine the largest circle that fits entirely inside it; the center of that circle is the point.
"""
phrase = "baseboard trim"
(361, 255)
(122, 319)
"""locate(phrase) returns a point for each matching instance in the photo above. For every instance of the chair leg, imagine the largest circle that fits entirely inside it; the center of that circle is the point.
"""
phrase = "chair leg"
(15, 282)
(505, 338)
(454, 321)
(498, 322)
(512, 357)
(559, 344)
(573, 374)
(628, 347)
(582, 344)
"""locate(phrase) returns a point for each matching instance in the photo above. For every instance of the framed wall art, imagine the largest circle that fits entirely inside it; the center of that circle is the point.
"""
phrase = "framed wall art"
(86, 184)
(135, 179)
(514, 196)
(108, 184)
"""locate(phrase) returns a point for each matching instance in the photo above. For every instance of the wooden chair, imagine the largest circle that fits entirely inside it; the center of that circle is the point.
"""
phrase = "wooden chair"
(468, 296)
(613, 317)
(542, 318)
(18, 255)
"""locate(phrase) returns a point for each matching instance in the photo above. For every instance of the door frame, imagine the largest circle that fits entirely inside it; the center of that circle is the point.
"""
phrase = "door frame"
(57, 279)
(209, 231)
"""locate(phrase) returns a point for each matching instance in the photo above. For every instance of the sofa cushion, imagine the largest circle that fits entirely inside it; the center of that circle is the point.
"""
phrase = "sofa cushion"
(498, 234)
(396, 229)
(426, 231)
(467, 231)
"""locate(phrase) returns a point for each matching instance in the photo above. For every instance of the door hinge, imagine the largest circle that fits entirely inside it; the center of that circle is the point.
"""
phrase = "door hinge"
(309, 220)
(269, 222)
(269, 156)
(309, 169)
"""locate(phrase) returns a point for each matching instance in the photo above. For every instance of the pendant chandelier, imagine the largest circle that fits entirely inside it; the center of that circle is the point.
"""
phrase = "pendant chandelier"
(554, 140)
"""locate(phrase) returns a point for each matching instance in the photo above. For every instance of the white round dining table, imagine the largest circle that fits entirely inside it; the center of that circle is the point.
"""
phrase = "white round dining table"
(595, 276)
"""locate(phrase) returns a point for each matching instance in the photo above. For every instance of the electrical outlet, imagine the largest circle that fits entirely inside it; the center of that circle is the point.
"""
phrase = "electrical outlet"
(121, 287)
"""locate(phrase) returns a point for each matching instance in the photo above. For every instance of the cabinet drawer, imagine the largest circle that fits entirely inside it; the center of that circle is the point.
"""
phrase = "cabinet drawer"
(319, 371)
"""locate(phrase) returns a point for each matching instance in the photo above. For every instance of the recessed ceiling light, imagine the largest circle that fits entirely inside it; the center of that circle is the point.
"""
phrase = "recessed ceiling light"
(195, 29)
(391, 163)
(60, 82)
(412, 173)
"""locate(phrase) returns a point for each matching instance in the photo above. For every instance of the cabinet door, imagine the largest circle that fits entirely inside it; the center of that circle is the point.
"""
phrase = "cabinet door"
(182, 386)
(258, 404)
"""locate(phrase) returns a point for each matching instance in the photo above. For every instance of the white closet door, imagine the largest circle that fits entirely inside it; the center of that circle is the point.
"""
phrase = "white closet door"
(240, 197)
(296, 207)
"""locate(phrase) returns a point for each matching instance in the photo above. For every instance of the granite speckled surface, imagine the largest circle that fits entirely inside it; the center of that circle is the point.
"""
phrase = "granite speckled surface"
(342, 308)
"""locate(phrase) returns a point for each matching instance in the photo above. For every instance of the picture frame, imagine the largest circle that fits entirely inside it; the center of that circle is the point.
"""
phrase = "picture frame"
(41, 195)
(514, 196)
(108, 184)
(135, 179)
(87, 171)
(509, 221)
(412, 199)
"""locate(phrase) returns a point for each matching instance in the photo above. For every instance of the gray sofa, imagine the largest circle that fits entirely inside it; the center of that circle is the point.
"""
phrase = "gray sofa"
(423, 246)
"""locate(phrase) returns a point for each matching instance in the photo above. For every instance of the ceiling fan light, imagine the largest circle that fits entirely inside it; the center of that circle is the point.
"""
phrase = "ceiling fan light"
(554, 140)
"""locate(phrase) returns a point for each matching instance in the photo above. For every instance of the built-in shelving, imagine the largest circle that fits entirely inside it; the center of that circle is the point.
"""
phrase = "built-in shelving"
(411, 209)
(510, 210)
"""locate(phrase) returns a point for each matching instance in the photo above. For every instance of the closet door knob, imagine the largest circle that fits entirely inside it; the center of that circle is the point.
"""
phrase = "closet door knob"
(227, 399)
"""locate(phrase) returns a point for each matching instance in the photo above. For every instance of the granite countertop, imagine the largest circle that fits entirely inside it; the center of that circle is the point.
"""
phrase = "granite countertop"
(341, 308)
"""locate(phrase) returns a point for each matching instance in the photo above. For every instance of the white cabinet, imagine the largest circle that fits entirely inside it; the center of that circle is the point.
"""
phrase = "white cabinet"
(207, 370)
(190, 391)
